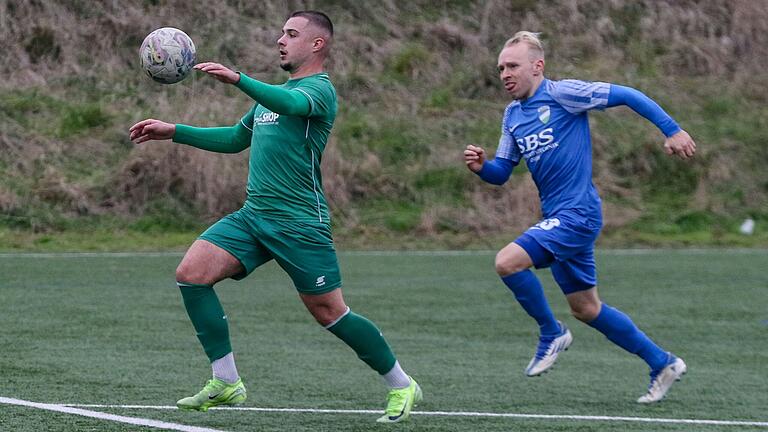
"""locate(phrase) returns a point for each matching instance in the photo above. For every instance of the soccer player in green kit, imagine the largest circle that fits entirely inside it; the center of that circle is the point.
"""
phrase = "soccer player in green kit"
(285, 216)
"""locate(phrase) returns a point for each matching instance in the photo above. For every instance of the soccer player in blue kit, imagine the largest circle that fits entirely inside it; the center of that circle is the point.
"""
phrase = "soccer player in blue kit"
(546, 124)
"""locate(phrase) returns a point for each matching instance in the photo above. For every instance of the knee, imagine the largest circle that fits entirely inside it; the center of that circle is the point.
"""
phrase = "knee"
(507, 265)
(326, 315)
(585, 312)
(187, 273)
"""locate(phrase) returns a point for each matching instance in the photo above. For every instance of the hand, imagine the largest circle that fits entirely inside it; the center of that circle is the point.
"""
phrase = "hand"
(151, 129)
(221, 73)
(680, 144)
(474, 157)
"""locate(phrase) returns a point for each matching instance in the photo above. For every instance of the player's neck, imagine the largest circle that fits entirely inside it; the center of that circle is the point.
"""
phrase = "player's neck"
(536, 84)
(307, 69)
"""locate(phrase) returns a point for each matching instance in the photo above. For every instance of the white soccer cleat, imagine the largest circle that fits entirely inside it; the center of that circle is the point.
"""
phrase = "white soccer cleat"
(662, 380)
(547, 351)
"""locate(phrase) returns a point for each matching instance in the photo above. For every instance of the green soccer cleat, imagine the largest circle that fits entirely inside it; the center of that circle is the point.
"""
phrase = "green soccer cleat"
(400, 402)
(216, 392)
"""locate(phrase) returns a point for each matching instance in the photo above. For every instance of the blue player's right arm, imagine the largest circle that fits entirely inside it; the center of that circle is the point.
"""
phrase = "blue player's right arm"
(496, 171)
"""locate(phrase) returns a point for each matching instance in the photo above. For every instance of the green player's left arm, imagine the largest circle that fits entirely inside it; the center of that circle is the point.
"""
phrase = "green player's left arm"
(275, 98)
(677, 142)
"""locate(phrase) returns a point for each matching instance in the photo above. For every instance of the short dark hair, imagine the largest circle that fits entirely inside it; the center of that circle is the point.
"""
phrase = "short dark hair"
(317, 18)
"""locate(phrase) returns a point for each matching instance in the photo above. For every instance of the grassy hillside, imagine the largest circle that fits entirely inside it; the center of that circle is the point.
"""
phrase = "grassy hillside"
(416, 83)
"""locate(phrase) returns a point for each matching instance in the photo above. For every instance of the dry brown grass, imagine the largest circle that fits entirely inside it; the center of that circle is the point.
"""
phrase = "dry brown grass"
(48, 44)
(9, 201)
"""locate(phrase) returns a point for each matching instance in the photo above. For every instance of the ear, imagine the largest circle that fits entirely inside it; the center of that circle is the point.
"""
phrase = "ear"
(538, 67)
(318, 44)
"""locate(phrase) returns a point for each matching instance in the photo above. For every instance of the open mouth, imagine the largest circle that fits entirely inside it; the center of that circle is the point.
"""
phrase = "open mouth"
(510, 86)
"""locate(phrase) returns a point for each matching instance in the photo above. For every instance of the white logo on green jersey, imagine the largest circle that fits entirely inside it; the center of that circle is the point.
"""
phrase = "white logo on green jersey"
(266, 118)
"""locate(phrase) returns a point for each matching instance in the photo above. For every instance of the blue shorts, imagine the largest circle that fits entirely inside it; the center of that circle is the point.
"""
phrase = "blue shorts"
(565, 243)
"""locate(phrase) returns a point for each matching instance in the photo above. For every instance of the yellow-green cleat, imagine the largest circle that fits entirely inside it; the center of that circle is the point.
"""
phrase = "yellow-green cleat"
(400, 402)
(216, 392)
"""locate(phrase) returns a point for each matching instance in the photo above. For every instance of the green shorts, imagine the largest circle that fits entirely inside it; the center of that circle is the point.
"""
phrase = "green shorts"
(303, 249)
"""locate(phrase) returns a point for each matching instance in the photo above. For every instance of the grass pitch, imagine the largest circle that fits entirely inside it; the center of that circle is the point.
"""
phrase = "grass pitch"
(111, 329)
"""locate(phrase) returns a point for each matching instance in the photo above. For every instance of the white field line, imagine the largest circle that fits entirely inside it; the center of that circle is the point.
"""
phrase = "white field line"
(462, 414)
(616, 252)
(104, 416)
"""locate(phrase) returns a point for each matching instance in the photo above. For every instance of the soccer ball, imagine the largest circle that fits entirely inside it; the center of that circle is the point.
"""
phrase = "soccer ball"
(167, 55)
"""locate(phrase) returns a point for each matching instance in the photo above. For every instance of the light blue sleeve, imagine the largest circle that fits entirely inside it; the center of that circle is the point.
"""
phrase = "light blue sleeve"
(579, 96)
(496, 171)
(645, 106)
(507, 148)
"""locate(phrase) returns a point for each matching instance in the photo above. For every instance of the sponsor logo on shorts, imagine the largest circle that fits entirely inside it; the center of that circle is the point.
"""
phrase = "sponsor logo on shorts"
(320, 281)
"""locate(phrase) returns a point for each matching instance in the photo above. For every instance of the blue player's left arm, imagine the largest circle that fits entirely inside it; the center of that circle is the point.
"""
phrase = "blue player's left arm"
(678, 141)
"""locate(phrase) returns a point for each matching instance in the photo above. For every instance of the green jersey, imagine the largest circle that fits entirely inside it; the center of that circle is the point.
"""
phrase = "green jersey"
(286, 130)
(284, 178)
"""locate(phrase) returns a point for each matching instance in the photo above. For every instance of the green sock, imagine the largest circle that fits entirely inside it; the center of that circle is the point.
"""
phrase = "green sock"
(366, 339)
(208, 318)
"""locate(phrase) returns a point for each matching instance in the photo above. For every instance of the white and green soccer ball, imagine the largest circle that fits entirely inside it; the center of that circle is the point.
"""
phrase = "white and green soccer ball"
(167, 55)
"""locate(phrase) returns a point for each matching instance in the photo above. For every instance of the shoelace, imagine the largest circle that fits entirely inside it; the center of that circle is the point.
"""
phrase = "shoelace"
(654, 375)
(544, 344)
(394, 400)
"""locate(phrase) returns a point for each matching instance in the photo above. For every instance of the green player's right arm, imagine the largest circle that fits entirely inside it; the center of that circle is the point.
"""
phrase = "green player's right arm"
(232, 139)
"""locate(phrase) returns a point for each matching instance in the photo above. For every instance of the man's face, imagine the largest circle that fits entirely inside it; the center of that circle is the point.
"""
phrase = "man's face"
(517, 71)
(295, 44)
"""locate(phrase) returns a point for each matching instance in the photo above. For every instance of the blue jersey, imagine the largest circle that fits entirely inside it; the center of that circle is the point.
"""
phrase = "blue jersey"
(550, 130)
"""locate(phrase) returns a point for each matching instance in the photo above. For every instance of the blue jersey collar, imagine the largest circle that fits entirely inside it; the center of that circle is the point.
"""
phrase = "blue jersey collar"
(536, 94)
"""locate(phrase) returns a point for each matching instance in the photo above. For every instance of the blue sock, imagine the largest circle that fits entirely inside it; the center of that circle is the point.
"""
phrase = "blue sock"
(529, 293)
(619, 329)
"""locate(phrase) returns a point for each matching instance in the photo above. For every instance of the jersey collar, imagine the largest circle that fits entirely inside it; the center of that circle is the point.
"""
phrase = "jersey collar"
(536, 94)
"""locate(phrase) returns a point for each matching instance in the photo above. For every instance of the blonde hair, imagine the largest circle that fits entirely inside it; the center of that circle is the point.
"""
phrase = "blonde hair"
(529, 38)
